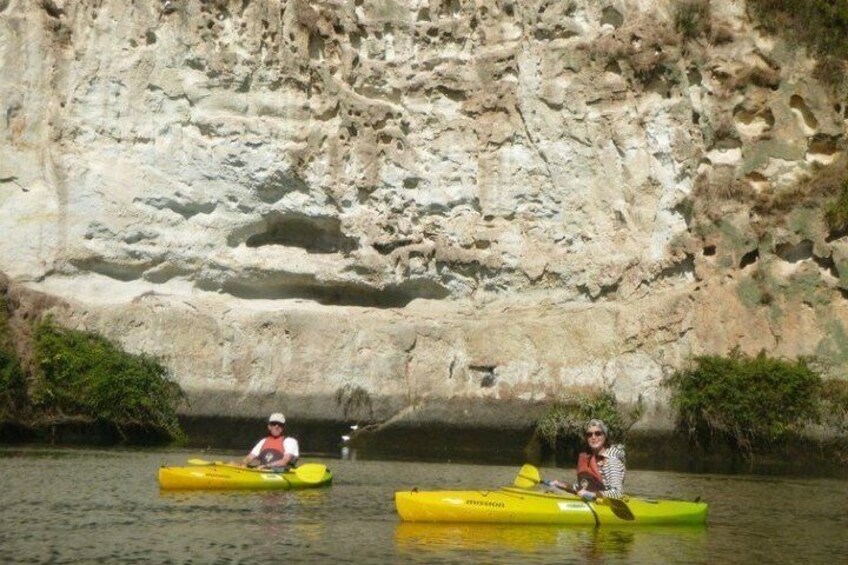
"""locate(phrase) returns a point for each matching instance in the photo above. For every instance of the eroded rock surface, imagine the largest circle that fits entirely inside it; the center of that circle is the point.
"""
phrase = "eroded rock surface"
(417, 210)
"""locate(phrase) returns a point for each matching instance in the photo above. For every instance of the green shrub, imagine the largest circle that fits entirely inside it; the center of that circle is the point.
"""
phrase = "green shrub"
(85, 376)
(12, 381)
(836, 211)
(566, 419)
(751, 400)
(835, 404)
(12, 386)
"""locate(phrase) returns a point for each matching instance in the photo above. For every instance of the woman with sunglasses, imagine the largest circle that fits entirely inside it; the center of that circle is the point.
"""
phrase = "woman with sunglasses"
(276, 452)
(600, 468)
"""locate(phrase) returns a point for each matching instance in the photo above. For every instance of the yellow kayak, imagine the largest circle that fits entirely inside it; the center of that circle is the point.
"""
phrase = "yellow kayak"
(224, 476)
(510, 505)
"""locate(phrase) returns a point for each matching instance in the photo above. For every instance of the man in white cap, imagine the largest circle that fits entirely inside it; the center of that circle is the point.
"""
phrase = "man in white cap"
(276, 452)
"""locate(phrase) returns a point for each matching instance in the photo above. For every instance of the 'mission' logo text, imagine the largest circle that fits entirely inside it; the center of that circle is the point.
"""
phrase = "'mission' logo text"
(485, 503)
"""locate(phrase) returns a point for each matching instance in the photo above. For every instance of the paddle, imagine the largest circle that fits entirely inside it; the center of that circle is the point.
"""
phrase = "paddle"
(308, 472)
(311, 472)
(528, 477)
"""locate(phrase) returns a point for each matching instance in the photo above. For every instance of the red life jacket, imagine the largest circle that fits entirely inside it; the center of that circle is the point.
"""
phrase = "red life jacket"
(272, 449)
(588, 474)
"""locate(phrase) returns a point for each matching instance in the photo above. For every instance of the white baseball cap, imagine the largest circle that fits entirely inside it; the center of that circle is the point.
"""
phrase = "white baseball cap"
(277, 417)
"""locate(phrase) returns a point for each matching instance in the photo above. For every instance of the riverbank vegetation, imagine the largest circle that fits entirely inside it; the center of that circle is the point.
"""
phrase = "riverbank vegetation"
(12, 382)
(835, 405)
(755, 402)
(82, 379)
(561, 427)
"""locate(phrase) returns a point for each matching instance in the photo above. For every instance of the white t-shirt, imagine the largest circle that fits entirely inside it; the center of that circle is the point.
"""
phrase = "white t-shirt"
(289, 444)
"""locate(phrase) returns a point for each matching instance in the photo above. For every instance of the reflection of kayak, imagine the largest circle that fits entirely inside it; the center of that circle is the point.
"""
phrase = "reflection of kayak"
(552, 543)
(606, 541)
(417, 535)
(510, 505)
(224, 476)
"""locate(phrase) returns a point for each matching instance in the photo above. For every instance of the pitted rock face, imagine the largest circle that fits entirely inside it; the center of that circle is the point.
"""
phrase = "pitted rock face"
(404, 200)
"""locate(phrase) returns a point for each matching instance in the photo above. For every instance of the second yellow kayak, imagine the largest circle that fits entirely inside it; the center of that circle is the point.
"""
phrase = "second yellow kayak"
(223, 476)
(510, 505)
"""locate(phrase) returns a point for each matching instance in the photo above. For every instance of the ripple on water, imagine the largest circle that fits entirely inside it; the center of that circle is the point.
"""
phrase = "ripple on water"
(97, 506)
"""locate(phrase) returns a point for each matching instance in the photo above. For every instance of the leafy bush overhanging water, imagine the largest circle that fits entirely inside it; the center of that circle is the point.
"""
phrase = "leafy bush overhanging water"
(82, 377)
(753, 401)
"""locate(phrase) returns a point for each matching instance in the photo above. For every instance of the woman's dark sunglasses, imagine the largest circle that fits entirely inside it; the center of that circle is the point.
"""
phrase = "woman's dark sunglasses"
(279, 425)
(596, 434)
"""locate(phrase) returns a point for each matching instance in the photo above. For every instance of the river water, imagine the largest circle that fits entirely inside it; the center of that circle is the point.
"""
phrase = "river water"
(85, 506)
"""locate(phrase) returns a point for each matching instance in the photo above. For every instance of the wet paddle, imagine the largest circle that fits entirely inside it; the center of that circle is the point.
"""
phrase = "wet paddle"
(308, 472)
(528, 477)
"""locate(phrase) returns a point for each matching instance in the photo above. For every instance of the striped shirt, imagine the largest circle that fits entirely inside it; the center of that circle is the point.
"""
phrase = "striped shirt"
(613, 471)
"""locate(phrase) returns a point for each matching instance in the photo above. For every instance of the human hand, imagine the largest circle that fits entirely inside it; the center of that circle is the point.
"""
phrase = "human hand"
(559, 485)
(586, 495)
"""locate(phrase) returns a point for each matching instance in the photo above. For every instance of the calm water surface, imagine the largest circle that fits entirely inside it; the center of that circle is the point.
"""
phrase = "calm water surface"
(84, 506)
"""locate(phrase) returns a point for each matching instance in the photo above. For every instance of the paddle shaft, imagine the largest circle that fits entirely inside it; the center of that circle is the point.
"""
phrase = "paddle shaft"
(588, 503)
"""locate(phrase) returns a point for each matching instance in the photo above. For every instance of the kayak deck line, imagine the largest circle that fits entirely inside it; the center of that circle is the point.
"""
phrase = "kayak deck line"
(570, 496)
(241, 468)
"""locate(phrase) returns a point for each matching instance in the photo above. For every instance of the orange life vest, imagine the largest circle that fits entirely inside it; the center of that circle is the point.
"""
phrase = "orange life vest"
(272, 449)
(588, 474)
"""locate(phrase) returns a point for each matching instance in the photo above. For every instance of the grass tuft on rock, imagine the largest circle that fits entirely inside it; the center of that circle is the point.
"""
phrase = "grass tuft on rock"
(692, 18)
(817, 24)
(836, 210)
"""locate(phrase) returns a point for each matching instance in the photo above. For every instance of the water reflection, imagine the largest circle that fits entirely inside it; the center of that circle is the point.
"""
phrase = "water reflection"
(585, 544)
(98, 506)
(270, 502)
(250, 518)
(422, 536)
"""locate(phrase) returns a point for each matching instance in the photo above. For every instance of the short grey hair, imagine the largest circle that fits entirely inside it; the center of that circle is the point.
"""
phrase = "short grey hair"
(595, 423)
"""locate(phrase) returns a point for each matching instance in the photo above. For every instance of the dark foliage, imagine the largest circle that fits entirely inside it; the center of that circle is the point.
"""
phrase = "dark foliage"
(753, 401)
(83, 375)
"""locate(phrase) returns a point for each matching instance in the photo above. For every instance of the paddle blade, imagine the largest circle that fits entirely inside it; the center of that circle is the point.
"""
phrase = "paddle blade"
(528, 477)
(311, 472)
(620, 509)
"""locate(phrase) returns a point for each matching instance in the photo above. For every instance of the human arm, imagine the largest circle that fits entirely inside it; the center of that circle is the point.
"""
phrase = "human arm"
(613, 472)
(253, 456)
(568, 487)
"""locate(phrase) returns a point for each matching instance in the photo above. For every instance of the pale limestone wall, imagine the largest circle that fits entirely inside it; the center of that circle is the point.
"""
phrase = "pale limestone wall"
(380, 209)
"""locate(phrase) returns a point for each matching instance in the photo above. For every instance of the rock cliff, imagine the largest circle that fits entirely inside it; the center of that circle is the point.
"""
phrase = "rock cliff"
(420, 210)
